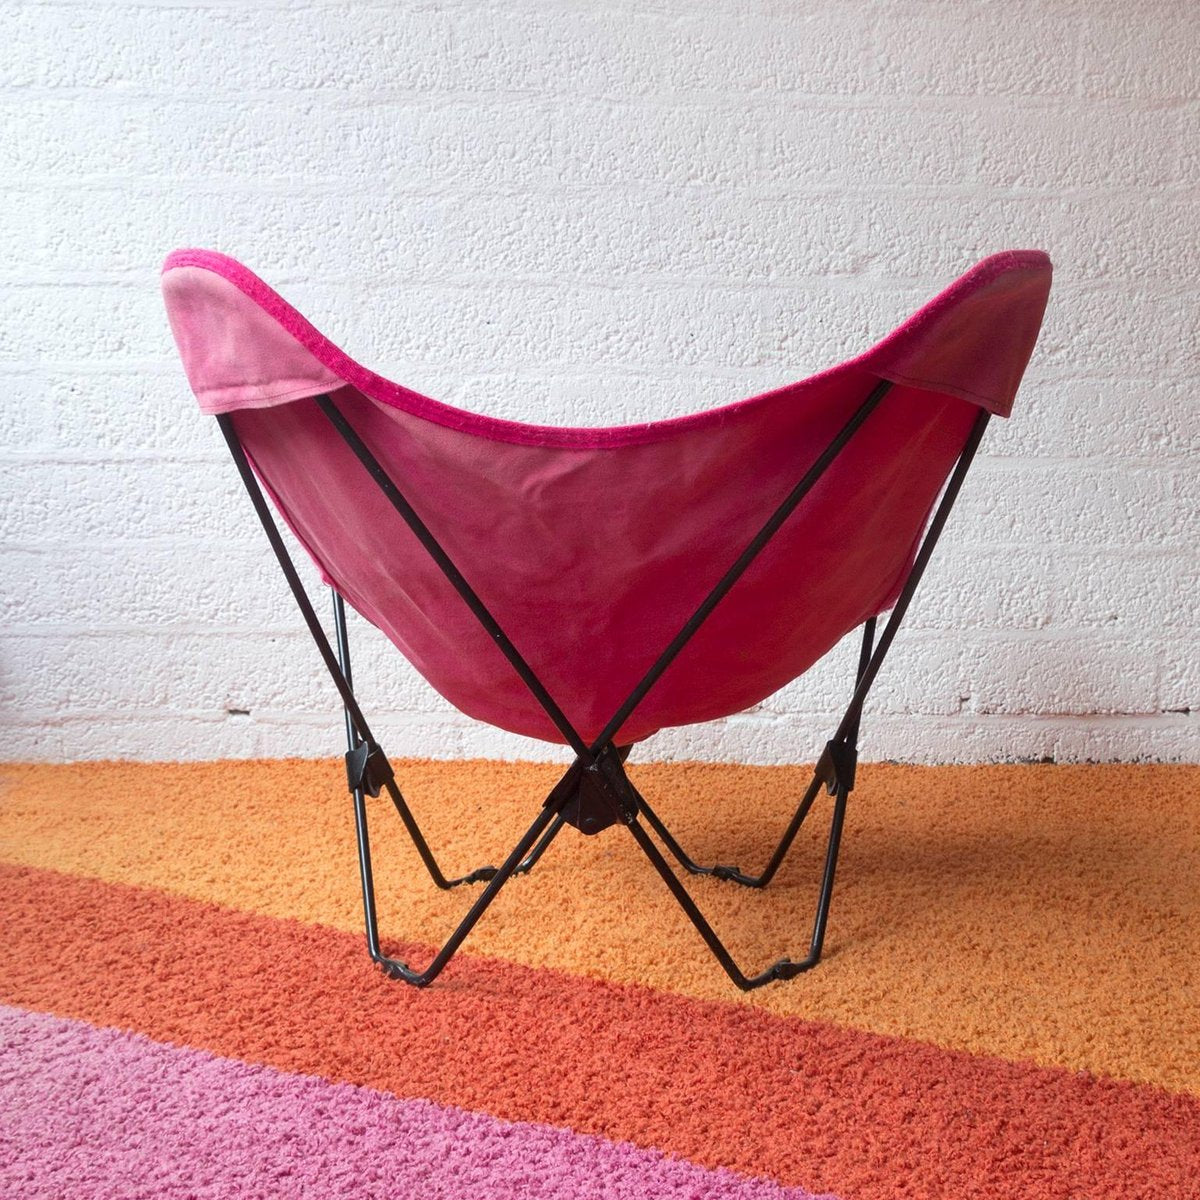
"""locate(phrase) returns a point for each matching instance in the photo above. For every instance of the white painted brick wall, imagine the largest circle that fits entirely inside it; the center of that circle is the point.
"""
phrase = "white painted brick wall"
(595, 212)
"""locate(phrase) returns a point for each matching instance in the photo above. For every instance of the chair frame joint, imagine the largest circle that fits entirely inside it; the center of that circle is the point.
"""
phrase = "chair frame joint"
(367, 767)
(838, 766)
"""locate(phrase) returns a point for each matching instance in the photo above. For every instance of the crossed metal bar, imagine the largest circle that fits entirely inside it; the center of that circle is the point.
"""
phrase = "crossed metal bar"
(595, 791)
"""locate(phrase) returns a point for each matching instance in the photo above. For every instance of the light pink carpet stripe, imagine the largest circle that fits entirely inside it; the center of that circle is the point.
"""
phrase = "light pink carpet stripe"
(91, 1113)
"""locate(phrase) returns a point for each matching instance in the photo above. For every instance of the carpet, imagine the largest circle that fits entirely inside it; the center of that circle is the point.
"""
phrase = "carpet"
(1009, 1005)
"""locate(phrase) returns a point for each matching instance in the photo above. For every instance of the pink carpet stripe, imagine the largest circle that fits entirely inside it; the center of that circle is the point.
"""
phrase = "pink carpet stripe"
(91, 1113)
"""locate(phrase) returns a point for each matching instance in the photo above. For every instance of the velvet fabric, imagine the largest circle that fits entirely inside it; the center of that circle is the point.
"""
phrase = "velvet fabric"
(592, 547)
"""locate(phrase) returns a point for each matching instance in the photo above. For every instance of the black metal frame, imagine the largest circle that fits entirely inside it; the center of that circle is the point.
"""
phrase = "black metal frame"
(595, 791)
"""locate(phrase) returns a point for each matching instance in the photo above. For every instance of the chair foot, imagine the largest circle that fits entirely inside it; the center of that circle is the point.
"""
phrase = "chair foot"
(725, 871)
(784, 968)
(734, 875)
(479, 875)
(781, 971)
(487, 874)
(393, 968)
(496, 877)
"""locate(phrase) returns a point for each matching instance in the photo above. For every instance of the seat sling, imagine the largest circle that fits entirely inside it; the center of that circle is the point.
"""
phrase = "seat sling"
(589, 587)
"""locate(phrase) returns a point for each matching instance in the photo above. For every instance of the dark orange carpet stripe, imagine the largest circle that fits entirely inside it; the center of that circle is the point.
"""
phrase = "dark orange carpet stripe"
(803, 1102)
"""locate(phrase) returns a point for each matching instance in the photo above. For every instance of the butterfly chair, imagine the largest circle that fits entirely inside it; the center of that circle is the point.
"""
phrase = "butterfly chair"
(592, 586)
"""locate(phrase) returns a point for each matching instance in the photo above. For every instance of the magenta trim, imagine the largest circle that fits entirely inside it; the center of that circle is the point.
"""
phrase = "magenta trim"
(497, 429)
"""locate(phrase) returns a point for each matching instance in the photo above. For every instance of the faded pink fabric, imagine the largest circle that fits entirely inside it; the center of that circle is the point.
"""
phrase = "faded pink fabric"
(593, 546)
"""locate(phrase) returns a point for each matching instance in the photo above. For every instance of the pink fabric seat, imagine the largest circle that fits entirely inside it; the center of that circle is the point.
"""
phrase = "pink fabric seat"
(592, 546)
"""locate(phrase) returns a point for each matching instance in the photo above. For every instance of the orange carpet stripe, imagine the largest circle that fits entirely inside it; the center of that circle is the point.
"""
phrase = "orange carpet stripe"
(723, 1085)
(1045, 913)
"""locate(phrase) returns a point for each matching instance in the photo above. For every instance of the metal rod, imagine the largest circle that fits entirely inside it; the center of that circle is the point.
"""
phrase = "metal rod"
(495, 877)
(393, 789)
(401, 970)
(866, 646)
(540, 849)
(343, 653)
(668, 839)
(366, 875)
(785, 968)
(936, 525)
(362, 837)
(731, 576)
(784, 845)
(870, 660)
(455, 576)
(289, 570)
(339, 670)
(831, 858)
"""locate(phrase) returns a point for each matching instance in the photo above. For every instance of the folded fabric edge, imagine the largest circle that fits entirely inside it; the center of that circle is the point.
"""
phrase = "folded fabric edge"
(908, 355)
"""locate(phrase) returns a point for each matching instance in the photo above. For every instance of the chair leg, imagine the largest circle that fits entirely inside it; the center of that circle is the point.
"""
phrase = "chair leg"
(479, 875)
(394, 967)
(835, 769)
(387, 781)
(533, 845)
(784, 968)
(731, 873)
(555, 828)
